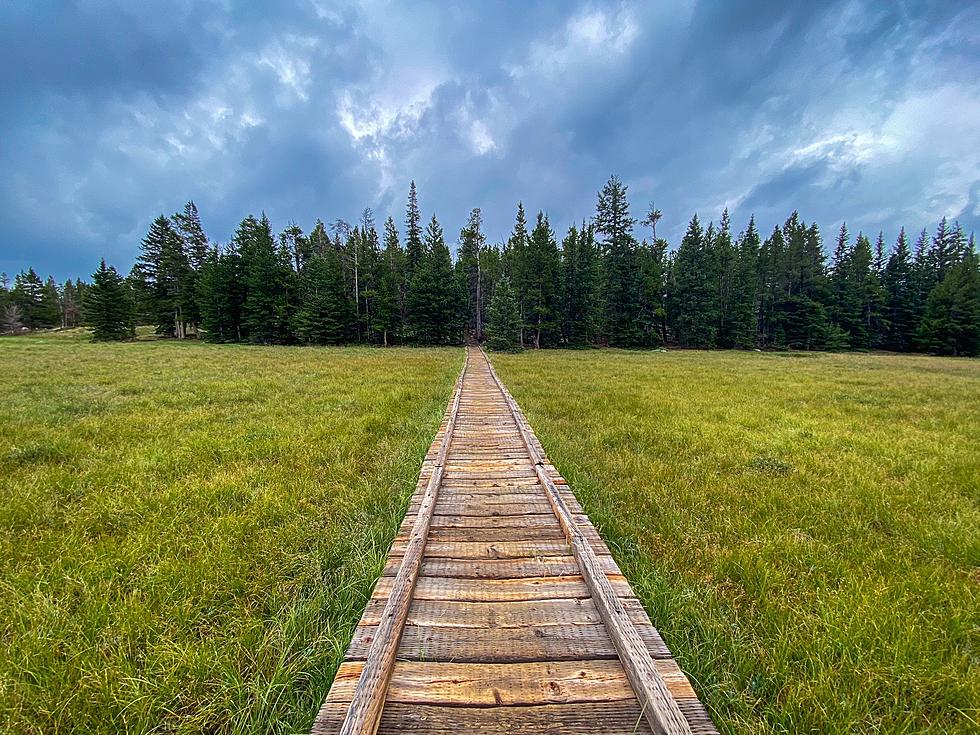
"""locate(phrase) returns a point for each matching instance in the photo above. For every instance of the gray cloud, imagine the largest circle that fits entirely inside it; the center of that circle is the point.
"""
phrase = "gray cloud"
(115, 112)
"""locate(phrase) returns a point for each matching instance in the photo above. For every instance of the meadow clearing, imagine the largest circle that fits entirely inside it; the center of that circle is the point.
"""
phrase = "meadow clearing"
(804, 529)
(188, 533)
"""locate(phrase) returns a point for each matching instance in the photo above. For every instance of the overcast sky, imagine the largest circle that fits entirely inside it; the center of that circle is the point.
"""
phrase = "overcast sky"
(114, 112)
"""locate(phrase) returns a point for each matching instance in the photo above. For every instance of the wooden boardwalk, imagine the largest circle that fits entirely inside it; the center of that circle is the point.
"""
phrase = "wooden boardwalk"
(500, 608)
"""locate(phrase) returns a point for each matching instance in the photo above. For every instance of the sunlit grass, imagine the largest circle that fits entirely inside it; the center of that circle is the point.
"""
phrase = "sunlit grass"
(188, 532)
(804, 529)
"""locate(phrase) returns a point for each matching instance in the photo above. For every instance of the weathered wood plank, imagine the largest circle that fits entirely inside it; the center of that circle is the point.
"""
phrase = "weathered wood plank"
(467, 614)
(528, 643)
(491, 684)
(544, 566)
(616, 718)
(498, 590)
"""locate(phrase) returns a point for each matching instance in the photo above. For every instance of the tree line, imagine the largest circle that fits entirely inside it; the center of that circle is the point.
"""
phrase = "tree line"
(599, 285)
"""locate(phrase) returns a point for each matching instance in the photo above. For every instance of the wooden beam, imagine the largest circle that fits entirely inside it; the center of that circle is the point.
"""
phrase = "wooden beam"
(364, 713)
(659, 707)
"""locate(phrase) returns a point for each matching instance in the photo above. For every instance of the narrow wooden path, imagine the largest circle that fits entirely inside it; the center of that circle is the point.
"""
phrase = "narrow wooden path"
(500, 608)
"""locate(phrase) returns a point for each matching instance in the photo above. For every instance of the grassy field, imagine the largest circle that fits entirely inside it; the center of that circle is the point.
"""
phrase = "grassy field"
(804, 529)
(189, 532)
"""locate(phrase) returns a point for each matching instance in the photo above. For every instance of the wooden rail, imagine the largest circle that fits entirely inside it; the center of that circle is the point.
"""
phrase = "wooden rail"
(500, 608)
(369, 695)
(658, 706)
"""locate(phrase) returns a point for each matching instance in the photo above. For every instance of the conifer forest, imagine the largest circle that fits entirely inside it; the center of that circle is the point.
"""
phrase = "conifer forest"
(607, 281)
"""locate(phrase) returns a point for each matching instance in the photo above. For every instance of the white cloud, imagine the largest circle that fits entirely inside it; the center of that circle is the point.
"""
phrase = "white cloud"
(289, 58)
(589, 38)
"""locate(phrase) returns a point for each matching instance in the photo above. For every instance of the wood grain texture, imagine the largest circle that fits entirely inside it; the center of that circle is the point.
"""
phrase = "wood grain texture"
(500, 608)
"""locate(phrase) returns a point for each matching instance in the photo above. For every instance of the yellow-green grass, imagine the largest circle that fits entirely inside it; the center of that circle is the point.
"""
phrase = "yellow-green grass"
(189, 532)
(803, 529)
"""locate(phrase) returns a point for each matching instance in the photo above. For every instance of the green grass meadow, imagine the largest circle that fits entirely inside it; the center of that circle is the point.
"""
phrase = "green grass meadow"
(803, 528)
(188, 532)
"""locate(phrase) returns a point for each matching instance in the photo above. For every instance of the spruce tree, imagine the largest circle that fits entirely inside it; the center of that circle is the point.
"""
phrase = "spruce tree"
(543, 315)
(49, 310)
(71, 305)
(770, 268)
(267, 311)
(620, 291)
(951, 324)
(694, 307)
(326, 308)
(503, 319)
(801, 313)
(389, 307)
(472, 244)
(414, 248)
(516, 267)
(943, 253)
(108, 306)
(188, 226)
(899, 288)
(28, 295)
(744, 309)
(221, 294)
(165, 279)
(580, 285)
(434, 301)
(860, 300)
(923, 280)
(653, 267)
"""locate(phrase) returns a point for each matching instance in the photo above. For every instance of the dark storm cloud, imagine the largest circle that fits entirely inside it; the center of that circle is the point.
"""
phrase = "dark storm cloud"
(114, 112)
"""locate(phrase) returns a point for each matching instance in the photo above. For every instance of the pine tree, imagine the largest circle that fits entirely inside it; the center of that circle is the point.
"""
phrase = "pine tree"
(472, 244)
(726, 258)
(801, 314)
(770, 269)
(899, 289)
(49, 310)
(415, 250)
(694, 306)
(187, 224)
(391, 287)
(620, 291)
(268, 308)
(515, 265)
(28, 294)
(744, 309)
(504, 320)
(951, 325)
(326, 307)
(653, 268)
(108, 305)
(71, 305)
(165, 277)
(580, 284)
(434, 301)
(543, 313)
(221, 294)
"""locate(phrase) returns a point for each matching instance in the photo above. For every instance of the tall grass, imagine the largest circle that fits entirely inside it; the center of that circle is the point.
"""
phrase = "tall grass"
(804, 529)
(188, 533)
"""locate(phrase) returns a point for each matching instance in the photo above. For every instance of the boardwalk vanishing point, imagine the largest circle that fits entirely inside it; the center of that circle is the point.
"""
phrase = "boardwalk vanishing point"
(500, 609)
